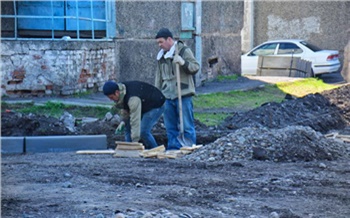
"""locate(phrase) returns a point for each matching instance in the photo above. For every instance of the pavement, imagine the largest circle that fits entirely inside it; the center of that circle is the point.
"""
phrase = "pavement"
(99, 99)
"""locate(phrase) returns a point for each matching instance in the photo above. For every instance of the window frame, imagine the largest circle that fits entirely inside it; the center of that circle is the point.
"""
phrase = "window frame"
(107, 35)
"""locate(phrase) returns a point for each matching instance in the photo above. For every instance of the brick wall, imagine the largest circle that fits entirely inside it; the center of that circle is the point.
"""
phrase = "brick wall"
(39, 68)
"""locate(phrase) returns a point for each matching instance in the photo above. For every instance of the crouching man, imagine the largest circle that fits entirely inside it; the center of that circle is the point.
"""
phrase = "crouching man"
(141, 106)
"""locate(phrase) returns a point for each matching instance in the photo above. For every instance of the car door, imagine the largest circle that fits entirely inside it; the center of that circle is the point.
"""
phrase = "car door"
(249, 61)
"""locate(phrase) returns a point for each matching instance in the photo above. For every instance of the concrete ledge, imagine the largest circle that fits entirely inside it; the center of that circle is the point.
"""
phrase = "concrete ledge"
(65, 143)
(12, 145)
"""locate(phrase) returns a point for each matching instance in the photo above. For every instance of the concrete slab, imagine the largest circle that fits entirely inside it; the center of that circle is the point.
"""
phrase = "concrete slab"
(65, 143)
(12, 145)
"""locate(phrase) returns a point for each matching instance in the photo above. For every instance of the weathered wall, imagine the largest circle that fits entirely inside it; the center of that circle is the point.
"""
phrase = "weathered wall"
(55, 67)
(345, 72)
(137, 26)
(222, 22)
(221, 25)
(323, 23)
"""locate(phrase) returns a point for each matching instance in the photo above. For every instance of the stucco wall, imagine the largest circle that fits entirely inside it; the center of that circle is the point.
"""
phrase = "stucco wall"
(221, 23)
(55, 67)
(323, 23)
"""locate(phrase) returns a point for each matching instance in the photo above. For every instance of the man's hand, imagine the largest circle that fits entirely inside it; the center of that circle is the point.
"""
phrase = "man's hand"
(179, 60)
(119, 130)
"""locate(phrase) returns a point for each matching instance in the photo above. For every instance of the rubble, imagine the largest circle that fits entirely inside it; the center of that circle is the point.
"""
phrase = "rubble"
(289, 144)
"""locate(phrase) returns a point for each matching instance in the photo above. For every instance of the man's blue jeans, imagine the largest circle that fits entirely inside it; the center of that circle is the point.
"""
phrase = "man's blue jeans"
(172, 122)
(148, 120)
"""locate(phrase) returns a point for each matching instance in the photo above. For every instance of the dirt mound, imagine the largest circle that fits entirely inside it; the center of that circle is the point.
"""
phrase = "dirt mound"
(340, 97)
(315, 111)
(289, 144)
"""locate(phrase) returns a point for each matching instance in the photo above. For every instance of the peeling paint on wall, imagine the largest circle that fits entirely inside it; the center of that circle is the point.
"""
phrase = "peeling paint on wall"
(279, 28)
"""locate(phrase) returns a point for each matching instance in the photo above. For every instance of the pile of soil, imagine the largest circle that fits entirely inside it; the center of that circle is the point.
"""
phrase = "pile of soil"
(273, 161)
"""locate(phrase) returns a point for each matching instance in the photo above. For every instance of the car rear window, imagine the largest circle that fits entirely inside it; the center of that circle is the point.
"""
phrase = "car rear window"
(311, 46)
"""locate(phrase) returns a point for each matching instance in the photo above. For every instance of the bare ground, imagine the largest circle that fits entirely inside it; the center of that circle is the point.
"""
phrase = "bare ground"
(72, 185)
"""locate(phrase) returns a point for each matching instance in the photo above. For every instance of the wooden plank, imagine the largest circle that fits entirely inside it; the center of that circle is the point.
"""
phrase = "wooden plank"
(343, 136)
(345, 139)
(170, 154)
(95, 152)
(127, 143)
(127, 153)
(130, 147)
(191, 148)
(153, 152)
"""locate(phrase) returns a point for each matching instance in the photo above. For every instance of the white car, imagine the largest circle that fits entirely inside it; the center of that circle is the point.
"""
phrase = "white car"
(322, 61)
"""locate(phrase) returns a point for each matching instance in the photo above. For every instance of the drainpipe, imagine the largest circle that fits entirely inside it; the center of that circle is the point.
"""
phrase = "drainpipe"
(198, 40)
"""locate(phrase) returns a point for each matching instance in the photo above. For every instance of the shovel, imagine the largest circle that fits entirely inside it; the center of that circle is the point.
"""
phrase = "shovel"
(185, 142)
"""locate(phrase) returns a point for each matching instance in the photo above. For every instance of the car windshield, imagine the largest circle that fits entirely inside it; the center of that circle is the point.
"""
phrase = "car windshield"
(311, 46)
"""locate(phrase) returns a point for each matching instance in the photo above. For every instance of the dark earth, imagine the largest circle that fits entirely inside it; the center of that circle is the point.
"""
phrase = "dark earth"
(73, 185)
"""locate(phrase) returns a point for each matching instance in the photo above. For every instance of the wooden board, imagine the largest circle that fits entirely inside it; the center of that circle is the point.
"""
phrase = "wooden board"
(127, 143)
(127, 153)
(170, 154)
(130, 147)
(194, 147)
(153, 152)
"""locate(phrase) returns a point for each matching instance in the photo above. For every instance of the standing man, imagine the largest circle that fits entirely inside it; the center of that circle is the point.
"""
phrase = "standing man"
(141, 106)
(166, 81)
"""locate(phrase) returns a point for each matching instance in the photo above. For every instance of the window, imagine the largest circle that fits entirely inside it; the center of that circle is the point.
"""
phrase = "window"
(311, 46)
(289, 48)
(267, 49)
(58, 19)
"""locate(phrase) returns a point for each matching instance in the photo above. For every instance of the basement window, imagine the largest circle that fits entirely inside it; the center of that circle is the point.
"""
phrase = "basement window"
(58, 19)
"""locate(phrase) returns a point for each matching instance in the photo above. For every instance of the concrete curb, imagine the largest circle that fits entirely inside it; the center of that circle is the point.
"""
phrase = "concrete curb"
(12, 145)
(40, 144)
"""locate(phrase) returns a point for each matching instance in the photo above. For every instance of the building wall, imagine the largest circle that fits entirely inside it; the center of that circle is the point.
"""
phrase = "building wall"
(221, 23)
(40, 68)
(323, 23)
(67, 67)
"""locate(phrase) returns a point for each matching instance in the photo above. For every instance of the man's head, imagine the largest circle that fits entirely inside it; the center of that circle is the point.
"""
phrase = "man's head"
(111, 90)
(165, 39)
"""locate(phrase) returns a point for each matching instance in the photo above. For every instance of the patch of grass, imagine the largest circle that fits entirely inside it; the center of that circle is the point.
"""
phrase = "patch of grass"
(56, 109)
(239, 99)
(211, 119)
(304, 87)
(228, 77)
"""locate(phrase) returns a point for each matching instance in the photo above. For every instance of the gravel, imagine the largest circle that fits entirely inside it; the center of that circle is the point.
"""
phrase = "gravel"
(289, 144)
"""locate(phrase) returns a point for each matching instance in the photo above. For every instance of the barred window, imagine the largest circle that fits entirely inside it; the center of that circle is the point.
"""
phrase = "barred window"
(58, 19)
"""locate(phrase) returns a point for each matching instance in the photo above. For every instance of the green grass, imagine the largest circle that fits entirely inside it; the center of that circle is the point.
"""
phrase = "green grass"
(228, 77)
(233, 100)
(212, 119)
(239, 99)
(56, 109)
(304, 87)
